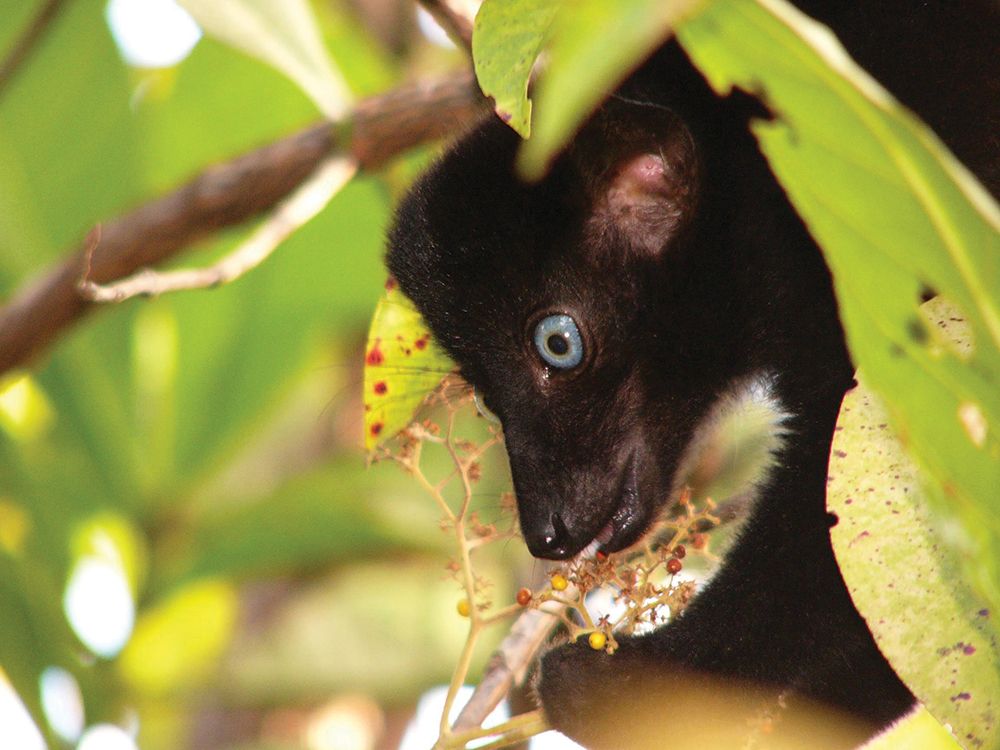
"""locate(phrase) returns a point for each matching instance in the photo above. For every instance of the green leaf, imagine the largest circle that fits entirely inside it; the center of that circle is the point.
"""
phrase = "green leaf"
(64, 118)
(403, 364)
(919, 729)
(33, 633)
(178, 642)
(243, 347)
(330, 515)
(594, 45)
(506, 40)
(895, 214)
(282, 33)
(187, 123)
(926, 619)
(368, 66)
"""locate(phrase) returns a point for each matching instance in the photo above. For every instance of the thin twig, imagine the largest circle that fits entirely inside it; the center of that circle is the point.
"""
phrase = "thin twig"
(28, 40)
(462, 668)
(455, 17)
(379, 129)
(533, 723)
(298, 208)
(533, 720)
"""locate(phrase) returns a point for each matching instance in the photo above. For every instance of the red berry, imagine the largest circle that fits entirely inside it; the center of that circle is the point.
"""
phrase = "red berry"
(680, 552)
(524, 597)
(674, 566)
(698, 541)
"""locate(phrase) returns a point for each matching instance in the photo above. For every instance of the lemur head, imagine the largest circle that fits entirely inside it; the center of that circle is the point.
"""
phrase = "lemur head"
(606, 312)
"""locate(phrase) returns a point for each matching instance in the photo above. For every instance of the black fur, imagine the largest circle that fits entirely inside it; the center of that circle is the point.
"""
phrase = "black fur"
(683, 284)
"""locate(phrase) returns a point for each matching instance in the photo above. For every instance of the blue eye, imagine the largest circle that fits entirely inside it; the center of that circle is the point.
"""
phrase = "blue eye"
(558, 341)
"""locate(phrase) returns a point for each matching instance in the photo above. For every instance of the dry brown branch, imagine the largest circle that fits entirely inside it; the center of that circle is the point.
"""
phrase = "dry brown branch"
(455, 17)
(228, 194)
(298, 208)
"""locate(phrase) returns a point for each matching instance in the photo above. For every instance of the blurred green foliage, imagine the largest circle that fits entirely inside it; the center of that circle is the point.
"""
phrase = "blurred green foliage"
(207, 444)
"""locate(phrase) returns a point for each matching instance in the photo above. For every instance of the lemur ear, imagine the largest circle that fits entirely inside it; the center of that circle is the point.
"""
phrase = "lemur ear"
(640, 164)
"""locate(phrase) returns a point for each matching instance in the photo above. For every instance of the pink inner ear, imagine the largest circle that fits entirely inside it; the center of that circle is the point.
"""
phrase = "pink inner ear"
(646, 197)
(643, 174)
(641, 182)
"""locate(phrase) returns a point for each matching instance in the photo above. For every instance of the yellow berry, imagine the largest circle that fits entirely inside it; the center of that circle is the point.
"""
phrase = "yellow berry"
(559, 582)
(597, 640)
(463, 607)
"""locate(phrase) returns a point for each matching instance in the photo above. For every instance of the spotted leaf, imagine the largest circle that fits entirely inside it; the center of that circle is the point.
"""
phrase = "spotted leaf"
(904, 577)
(402, 365)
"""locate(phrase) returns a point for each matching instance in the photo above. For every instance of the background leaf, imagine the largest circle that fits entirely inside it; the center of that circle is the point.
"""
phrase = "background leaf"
(284, 34)
(217, 431)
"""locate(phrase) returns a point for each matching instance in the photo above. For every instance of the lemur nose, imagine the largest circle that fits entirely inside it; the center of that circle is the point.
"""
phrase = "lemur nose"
(553, 540)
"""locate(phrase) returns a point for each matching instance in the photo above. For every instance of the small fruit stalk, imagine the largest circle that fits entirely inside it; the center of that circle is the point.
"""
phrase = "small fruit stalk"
(453, 494)
(646, 584)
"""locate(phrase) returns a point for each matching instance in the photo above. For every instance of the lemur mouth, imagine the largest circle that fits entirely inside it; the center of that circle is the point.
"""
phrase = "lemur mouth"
(628, 520)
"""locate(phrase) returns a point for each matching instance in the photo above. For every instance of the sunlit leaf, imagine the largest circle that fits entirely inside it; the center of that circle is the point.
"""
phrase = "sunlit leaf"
(402, 365)
(506, 40)
(932, 627)
(367, 64)
(837, 141)
(918, 730)
(15, 525)
(282, 33)
(178, 642)
(25, 411)
(594, 45)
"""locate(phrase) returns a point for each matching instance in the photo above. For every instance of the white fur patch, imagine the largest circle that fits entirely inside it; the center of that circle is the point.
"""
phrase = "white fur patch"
(737, 443)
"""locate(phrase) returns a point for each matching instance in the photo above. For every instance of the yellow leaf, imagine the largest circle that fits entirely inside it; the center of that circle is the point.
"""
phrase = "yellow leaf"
(177, 643)
(402, 365)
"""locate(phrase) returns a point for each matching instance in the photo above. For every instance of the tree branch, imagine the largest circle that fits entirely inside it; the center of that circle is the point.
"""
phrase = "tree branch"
(311, 197)
(225, 195)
